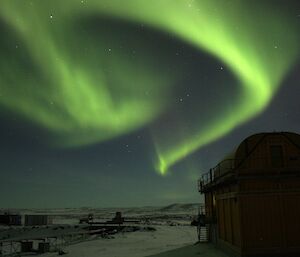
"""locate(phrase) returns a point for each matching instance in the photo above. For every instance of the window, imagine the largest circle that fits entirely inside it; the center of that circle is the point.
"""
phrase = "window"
(276, 155)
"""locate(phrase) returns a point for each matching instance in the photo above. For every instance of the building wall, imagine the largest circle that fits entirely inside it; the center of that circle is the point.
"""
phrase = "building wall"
(209, 205)
(259, 213)
(228, 215)
(11, 220)
(270, 205)
(261, 222)
(37, 220)
(291, 213)
(270, 224)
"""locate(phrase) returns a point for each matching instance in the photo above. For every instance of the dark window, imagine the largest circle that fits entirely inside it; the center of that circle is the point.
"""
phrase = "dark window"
(276, 156)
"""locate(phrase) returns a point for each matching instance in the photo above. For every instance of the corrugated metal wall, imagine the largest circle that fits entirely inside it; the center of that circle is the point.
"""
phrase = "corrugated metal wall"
(260, 214)
(228, 219)
(37, 220)
(291, 213)
(261, 222)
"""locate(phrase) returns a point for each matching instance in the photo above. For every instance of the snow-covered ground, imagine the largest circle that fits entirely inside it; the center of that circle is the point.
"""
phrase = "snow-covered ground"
(171, 230)
(198, 250)
(134, 244)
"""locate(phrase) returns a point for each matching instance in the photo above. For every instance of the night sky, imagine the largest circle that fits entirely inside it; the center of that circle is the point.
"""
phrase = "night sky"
(125, 103)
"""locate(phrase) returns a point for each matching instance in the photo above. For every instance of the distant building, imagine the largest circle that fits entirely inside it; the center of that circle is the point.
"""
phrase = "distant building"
(10, 219)
(37, 220)
(252, 198)
(118, 218)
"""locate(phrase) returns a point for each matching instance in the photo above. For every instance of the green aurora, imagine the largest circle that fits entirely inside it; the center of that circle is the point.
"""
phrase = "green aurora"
(71, 93)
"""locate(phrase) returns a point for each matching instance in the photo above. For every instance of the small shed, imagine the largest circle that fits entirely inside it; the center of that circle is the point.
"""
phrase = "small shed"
(252, 199)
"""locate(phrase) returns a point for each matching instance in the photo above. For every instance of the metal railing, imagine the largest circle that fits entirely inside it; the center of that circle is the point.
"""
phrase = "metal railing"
(228, 167)
(223, 168)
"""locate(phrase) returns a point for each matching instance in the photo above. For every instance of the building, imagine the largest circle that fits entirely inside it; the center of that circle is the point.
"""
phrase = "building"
(37, 220)
(10, 219)
(252, 198)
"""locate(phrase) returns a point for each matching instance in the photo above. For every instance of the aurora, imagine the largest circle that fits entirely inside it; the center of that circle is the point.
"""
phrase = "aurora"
(86, 90)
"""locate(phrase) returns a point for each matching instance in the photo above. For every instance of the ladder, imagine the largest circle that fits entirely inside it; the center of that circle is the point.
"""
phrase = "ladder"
(202, 234)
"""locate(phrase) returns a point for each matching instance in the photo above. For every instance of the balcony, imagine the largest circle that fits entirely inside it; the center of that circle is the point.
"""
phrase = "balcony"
(251, 168)
(222, 170)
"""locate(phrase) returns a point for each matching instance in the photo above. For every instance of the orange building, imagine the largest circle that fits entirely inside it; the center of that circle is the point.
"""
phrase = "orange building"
(252, 198)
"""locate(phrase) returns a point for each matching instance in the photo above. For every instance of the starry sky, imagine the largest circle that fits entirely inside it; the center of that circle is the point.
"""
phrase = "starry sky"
(125, 103)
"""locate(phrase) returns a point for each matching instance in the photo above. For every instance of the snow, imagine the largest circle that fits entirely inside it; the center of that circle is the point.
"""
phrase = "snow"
(204, 250)
(173, 235)
(135, 244)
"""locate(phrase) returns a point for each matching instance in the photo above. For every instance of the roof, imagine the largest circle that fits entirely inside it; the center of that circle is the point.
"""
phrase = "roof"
(248, 145)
